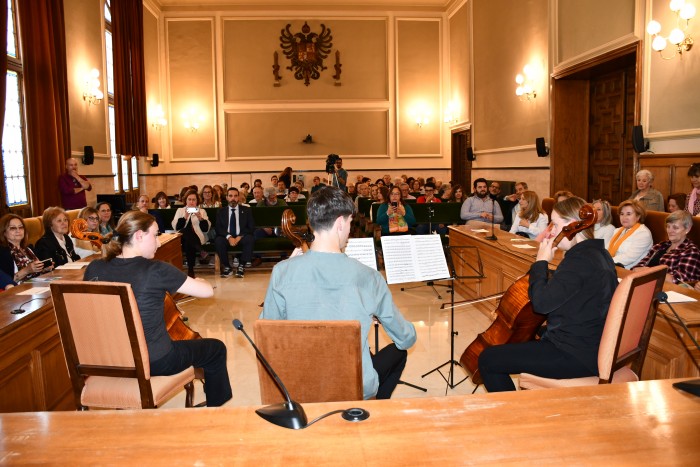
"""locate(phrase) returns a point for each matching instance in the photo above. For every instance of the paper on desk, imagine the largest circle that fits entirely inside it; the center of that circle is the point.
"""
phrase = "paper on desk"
(675, 297)
(480, 231)
(521, 239)
(524, 246)
(362, 249)
(80, 265)
(34, 291)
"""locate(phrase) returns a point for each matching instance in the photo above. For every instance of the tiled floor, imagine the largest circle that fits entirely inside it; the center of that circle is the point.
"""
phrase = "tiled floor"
(240, 298)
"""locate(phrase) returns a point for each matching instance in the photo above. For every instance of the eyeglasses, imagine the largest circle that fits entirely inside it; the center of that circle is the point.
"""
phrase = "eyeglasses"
(16, 227)
(93, 218)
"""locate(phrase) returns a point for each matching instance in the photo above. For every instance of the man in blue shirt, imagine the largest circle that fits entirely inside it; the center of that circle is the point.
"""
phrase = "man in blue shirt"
(325, 284)
(480, 206)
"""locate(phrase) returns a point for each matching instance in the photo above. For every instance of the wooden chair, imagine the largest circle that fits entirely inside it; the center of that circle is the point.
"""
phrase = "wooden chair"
(105, 348)
(626, 334)
(318, 361)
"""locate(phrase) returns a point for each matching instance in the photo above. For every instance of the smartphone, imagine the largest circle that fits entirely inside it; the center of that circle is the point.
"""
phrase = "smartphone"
(394, 204)
(192, 210)
(47, 262)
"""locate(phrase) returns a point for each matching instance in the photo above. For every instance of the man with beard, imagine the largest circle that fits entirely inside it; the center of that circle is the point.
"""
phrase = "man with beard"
(234, 225)
(480, 206)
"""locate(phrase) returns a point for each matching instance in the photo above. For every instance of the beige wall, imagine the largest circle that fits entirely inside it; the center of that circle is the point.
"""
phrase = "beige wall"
(460, 61)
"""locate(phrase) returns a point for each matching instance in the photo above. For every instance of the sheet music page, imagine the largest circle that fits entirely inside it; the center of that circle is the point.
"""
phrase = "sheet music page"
(362, 249)
(398, 259)
(430, 258)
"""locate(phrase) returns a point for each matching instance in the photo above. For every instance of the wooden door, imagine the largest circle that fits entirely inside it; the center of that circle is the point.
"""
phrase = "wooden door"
(461, 166)
(611, 155)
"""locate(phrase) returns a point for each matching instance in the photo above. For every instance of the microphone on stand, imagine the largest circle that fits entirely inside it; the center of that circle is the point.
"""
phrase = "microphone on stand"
(288, 414)
(692, 386)
(493, 218)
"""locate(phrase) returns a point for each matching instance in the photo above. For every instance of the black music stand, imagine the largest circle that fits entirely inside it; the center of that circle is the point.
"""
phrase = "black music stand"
(376, 350)
(478, 274)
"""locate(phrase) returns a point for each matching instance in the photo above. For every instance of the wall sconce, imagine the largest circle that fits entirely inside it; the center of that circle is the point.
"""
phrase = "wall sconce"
(452, 113)
(91, 88)
(192, 120)
(421, 115)
(525, 90)
(159, 120)
(678, 37)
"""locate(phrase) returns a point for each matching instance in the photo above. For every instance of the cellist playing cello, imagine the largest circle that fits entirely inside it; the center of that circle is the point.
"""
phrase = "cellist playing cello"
(575, 300)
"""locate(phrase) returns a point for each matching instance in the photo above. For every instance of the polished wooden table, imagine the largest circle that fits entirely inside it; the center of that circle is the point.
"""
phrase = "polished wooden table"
(33, 373)
(643, 423)
(671, 352)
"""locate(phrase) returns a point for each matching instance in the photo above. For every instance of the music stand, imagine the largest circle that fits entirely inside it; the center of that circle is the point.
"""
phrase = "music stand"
(478, 274)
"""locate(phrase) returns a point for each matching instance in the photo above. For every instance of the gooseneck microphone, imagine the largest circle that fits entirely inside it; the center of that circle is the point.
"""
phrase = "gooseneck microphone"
(19, 310)
(288, 414)
(692, 386)
(493, 218)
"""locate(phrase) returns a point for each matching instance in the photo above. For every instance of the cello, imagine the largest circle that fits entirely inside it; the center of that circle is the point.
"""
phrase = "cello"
(516, 320)
(299, 238)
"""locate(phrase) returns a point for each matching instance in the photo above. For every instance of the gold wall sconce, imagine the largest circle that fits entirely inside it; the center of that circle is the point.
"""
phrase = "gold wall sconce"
(91, 89)
(526, 84)
(678, 36)
(451, 113)
(420, 114)
(192, 120)
(159, 120)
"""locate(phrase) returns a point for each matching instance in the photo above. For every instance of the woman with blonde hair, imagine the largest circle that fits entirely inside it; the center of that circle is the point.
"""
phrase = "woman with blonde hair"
(208, 200)
(530, 220)
(85, 248)
(129, 259)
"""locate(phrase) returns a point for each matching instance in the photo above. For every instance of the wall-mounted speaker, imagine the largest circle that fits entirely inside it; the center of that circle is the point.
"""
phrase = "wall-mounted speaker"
(88, 155)
(470, 154)
(542, 149)
(638, 142)
(155, 161)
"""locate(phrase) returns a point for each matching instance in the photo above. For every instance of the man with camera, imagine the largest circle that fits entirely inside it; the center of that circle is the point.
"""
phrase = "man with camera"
(337, 175)
(325, 284)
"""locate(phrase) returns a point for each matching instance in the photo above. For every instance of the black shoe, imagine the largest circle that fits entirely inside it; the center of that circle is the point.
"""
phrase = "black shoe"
(240, 272)
(190, 272)
(226, 272)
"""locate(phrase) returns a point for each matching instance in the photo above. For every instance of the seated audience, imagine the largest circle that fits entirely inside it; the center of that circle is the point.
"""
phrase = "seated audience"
(129, 259)
(561, 195)
(631, 242)
(531, 219)
(141, 204)
(651, 199)
(17, 260)
(374, 192)
(270, 198)
(675, 202)
(162, 201)
(257, 182)
(692, 202)
(362, 193)
(445, 192)
(234, 226)
(457, 195)
(208, 200)
(104, 211)
(281, 189)
(258, 195)
(86, 248)
(317, 185)
(405, 194)
(56, 244)
(395, 217)
(480, 206)
(242, 192)
(416, 186)
(429, 196)
(193, 223)
(603, 228)
(219, 193)
(293, 195)
(679, 253)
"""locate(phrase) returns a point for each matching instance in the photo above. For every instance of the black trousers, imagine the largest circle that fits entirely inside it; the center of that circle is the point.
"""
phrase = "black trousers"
(247, 243)
(389, 364)
(190, 245)
(208, 354)
(540, 358)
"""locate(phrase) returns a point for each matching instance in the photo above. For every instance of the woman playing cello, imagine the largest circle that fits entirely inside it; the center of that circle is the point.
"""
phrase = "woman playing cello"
(575, 300)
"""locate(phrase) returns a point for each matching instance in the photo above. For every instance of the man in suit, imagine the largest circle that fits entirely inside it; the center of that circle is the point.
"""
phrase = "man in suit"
(234, 225)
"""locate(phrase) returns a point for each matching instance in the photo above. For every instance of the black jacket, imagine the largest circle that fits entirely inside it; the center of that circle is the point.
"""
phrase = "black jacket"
(245, 221)
(48, 247)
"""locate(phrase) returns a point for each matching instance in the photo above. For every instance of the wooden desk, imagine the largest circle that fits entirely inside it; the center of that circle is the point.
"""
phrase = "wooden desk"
(33, 373)
(671, 352)
(642, 423)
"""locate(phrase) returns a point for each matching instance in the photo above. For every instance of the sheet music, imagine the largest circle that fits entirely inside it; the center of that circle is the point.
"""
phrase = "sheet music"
(362, 249)
(675, 297)
(409, 258)
(79, 265)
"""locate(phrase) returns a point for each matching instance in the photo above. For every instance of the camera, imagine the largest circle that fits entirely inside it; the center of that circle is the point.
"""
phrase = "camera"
(394, 204)
(47, 262)
(330, 163)
(193, 210)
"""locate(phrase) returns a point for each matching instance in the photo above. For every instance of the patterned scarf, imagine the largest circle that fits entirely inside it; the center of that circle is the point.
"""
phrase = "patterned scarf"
(22, 257)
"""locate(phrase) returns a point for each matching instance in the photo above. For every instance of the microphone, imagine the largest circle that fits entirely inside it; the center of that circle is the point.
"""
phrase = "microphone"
(288, 414)
(19, 310)
(493, 217)
(692, 386)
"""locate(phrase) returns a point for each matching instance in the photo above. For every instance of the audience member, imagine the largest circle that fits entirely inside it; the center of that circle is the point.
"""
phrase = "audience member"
(651, 199)
(317, 185)
(243, 192)
(416, 186)
(603, 228)
(142, 203)
(340, 177)
(85, 248)
(405, 194)
(208, 198)
(234, 226)
(480, 206)
(395, 217)
(293, 195)
(457, 195)
(286, 177)
(258, 196)
(162, 201)
(270, 198)
(193, 223)
(281, 189)
(679, 254)
(631, 242)
(692, 202)
(73, 186)
(531, 219)
(17, 260)
(429, 196)
(56, 244)
(561, 195)
(104, 211)
(675, 202)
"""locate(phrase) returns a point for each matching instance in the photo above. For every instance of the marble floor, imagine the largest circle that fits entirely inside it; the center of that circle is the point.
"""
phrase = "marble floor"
(240, 298)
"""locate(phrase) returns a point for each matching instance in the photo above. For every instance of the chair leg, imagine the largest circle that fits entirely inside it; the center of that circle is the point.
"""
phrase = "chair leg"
(189, 398)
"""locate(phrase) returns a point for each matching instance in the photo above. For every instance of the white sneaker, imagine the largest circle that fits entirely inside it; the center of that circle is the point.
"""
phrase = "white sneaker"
(235, 262)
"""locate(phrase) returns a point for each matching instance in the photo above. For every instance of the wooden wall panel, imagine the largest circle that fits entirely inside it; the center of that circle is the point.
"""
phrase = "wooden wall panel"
(670, 170)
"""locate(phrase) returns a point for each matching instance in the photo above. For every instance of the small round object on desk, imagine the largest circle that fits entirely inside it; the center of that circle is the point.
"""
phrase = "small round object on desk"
(355, 414)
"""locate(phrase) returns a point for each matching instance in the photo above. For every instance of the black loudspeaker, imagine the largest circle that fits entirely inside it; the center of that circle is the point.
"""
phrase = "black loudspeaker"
(470, 154)
(542, 149)
(638, 142)
(88, 155)
(155, 161)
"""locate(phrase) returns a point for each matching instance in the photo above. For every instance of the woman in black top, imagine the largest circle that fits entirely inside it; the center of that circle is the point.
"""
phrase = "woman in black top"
(56, 244)
(575, 299)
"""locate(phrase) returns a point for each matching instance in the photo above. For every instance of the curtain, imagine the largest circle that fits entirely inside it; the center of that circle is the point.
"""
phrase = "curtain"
(3, 95)
(46, 91)
(129, 81)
